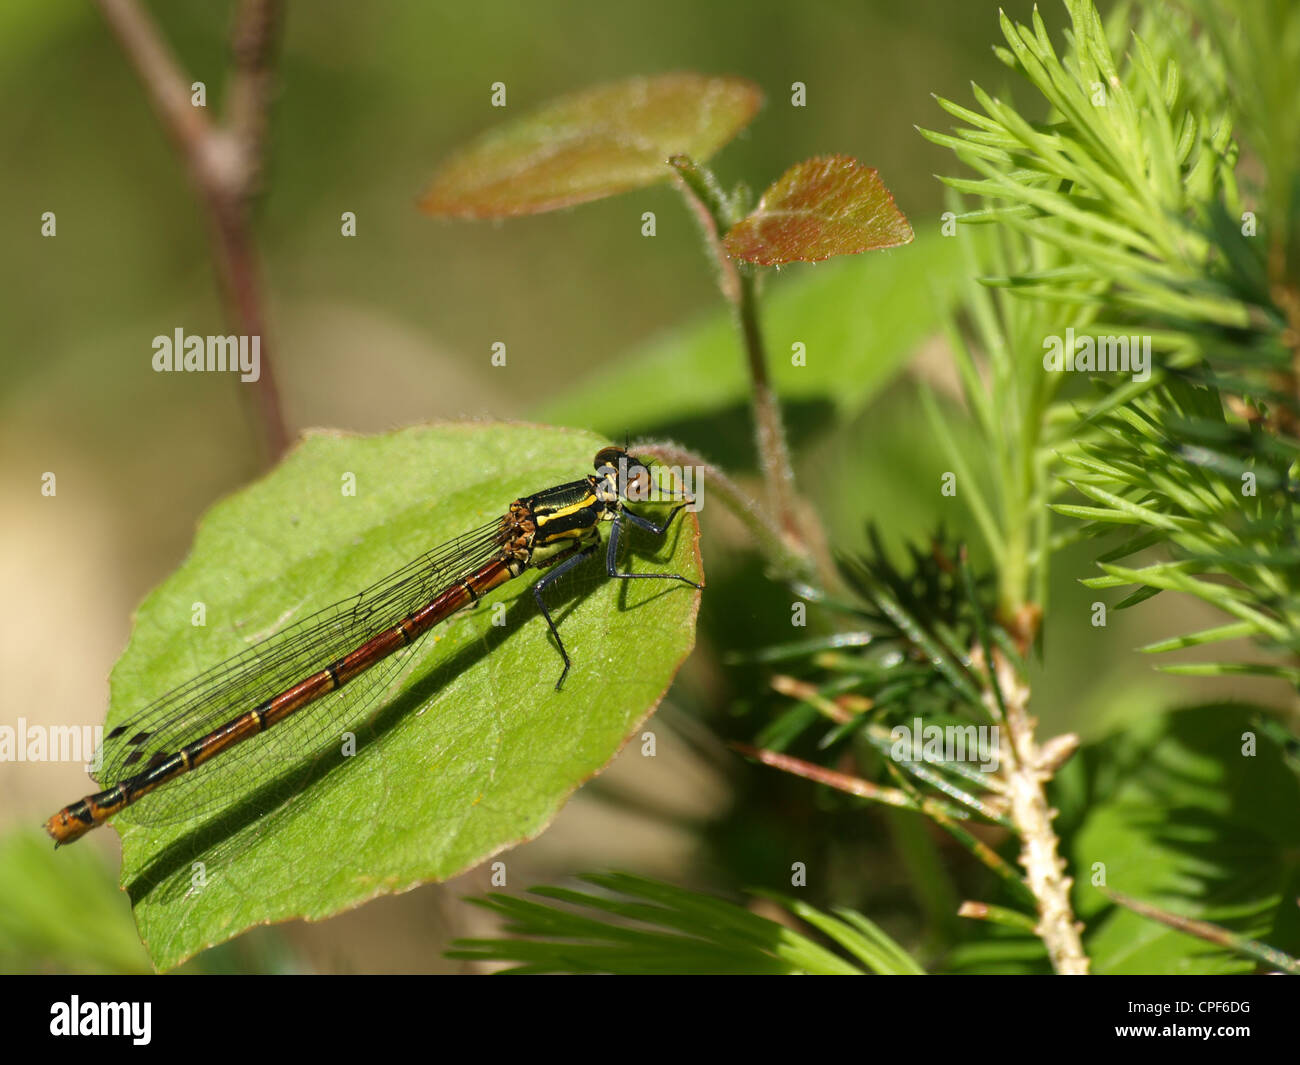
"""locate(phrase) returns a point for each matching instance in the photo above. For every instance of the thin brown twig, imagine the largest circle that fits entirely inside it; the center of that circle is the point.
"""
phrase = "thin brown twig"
(224, 162)
(164, 82)
(788, 557)
(253, 44)
(1210, 933)
(863, 789)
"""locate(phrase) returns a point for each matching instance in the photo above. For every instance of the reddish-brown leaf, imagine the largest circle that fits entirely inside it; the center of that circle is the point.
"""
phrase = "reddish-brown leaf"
(591, 144)
(830, 205)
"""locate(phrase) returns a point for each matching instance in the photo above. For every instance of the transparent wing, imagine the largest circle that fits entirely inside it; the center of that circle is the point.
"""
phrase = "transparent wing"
(284, 751)
(231, 688)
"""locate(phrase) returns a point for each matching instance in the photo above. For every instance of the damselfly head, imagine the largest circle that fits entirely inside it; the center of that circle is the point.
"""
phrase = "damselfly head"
(627, 474)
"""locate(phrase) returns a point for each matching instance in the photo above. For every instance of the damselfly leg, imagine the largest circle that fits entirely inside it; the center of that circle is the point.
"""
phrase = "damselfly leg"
(540, 586)
(611, 569)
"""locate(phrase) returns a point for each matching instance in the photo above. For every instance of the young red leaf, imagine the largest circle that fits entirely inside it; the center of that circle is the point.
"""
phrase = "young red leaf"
(821, 207)
(591, 144)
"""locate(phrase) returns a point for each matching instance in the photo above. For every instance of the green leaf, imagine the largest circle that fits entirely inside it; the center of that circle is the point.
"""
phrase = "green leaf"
(1238, 630)
(658, 928)
(469, 751)
(857, 934)
(1184, 812)
(1235, 669)
(829, 205)
(1169, 578)
(859, 320)
(1146, 515)
(62, 910)
(591, 144)
(1114, 517)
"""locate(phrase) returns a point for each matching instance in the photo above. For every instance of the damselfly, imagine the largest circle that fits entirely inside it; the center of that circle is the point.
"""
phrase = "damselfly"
(283, 680)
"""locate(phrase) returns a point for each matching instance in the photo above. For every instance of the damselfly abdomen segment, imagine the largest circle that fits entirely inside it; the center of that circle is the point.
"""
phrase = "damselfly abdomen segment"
(191, 746)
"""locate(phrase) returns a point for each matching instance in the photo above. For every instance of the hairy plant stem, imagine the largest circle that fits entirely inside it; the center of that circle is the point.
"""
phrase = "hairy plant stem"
(739, 283)
(788, 558)
(224, 162)
(773, 449)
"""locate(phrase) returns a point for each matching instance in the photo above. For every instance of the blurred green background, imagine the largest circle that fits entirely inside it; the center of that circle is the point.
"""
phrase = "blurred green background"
(605, 329)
